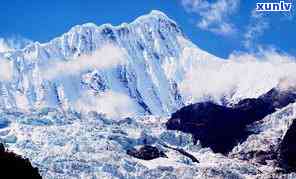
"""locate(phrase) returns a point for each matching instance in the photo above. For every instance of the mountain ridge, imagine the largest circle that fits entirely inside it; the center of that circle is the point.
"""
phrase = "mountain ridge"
(148, 39)
(153, 14)
(159, 70)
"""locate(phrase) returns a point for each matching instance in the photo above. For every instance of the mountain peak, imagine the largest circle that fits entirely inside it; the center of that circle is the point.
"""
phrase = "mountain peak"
(156, 20)
(155, 14)
(152, 16)
(158, 14)
(150, 44)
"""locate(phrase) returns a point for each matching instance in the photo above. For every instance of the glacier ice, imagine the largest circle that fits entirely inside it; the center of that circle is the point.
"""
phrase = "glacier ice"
(72, 145)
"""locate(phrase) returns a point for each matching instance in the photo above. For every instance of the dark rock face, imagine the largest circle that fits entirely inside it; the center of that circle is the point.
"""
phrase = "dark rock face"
(183, 152)
(278, 99)
(287, 152)
(14, 166)
(260, 156)
(220, 127)
(146, 153)
(215, 126)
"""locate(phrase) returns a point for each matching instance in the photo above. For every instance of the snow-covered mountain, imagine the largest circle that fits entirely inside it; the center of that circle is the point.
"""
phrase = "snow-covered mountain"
(135, 64)
(145, 67)
(52, 96)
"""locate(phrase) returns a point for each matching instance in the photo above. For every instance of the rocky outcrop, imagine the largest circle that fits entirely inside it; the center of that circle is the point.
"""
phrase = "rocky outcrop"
(183, 152)
(14, 166)
(221, 127)
(256, 156)
(146, 153)
(287, 152)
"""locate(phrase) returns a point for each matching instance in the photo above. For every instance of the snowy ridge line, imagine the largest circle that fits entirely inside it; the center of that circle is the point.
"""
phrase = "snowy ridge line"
(153, 14)
(31, 87)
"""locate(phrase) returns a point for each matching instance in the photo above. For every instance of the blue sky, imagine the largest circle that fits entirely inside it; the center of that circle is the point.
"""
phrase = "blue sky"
(220, 27)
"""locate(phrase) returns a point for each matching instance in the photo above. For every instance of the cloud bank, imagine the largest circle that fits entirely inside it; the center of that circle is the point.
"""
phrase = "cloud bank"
(111, 103)
(241, 76)
(105, 57)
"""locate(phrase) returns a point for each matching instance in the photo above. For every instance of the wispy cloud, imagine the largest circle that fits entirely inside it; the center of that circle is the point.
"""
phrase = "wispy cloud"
(258, 24)
(214, 16)
(105, 57)
(113, 104)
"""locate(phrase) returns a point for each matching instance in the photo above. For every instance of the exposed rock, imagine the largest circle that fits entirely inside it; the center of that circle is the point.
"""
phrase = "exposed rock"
(260, 156)
(183, 152)
(220, 127)
(288, 149)
(215, 126)
(278, 98)
(14, 166)
(146, 153)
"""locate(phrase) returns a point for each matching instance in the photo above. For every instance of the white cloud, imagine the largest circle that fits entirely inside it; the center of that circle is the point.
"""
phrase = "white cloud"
(105, 57)
(214, 15)
(240, 76)
(111, 103)
(6, 70)
(287, 83)
(258, 24)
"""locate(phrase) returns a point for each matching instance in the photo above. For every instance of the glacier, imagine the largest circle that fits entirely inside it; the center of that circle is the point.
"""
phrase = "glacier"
(74, 105)
(70, 145)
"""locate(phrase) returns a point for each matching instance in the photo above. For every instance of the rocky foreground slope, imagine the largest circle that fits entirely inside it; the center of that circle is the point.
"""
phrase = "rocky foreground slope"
(15, 166)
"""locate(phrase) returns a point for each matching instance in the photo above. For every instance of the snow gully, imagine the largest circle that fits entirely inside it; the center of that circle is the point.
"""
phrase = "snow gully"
(281, 6)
